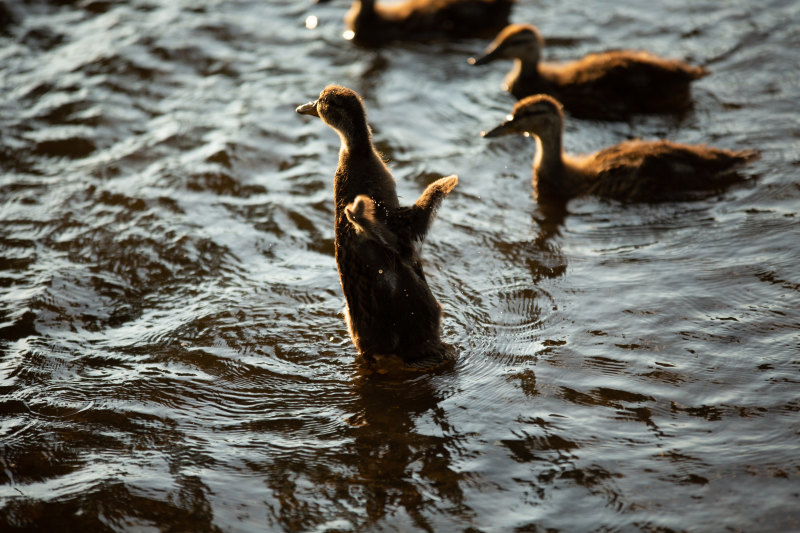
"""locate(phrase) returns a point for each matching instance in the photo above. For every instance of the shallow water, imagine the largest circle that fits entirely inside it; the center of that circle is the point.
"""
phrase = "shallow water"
(173, 351)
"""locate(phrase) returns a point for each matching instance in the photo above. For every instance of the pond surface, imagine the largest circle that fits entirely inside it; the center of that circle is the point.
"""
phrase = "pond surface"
(172, 350)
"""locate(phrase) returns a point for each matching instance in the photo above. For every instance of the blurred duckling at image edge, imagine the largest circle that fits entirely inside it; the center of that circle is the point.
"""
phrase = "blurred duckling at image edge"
(370, 22)
(390, 310)
(633, 170)
(604, 85)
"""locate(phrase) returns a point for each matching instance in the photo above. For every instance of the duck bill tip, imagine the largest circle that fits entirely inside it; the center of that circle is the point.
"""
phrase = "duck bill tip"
(503, 129)
(477, 61)
(308, 109)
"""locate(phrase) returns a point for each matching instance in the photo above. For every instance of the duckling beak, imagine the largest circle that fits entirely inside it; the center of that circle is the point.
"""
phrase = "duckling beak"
(488, 57)
(308, 109)
(494, 51)
(506, 128)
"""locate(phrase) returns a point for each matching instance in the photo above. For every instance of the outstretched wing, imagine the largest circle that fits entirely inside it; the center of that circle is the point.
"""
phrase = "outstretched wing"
(413, 222)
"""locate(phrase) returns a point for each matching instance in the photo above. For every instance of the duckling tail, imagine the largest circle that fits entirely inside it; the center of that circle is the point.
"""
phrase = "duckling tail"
(698, 72)
(747, 156)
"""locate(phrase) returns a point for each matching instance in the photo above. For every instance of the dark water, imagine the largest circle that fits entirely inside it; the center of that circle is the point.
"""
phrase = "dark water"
(173, 353)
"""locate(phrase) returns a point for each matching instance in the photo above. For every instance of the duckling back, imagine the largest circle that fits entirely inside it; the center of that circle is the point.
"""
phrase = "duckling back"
(613, 84)
(377, 23)
(662, 170)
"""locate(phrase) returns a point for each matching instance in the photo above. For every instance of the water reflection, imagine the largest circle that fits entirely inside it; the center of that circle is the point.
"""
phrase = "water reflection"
(550, 219)
(187, 509)
(542, 255)
(390, 460)
(403, 449)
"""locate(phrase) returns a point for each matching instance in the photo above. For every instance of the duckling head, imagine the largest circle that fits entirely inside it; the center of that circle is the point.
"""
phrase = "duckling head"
(341, 109)
(516, 41)
(540, 115)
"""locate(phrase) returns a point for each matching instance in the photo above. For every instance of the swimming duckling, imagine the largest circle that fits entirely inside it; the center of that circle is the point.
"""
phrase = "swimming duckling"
(370, 23)
(390, 308)
(633, 170)
(603, 85)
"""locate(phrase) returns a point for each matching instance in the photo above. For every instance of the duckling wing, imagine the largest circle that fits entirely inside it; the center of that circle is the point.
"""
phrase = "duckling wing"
(459, 17)
(652, 170)
(361, 214)
(637, 81)
(413, 222)
(629, 67)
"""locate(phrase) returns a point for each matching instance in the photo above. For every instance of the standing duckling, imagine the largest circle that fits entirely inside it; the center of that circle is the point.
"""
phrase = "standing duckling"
(606, 85)
(631, 171)
(390, 308)
(373, 24)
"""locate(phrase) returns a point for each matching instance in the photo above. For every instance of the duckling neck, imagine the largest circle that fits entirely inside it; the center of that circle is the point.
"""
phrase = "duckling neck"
(353, 131)
(356, 140)
(367, 6)
(362, 11)
(526, 67)
(524, 78)
(548, 164)
(361, 170)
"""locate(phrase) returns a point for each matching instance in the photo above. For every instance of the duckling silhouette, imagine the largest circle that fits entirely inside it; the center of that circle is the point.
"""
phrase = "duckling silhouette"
(374, 23)
(633, 170)
(390, 310)
(606, 85)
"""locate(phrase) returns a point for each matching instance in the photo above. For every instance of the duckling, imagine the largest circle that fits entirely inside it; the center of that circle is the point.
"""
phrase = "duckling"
(372, 24)
(633, 170)
(390, 310)
(606, 85)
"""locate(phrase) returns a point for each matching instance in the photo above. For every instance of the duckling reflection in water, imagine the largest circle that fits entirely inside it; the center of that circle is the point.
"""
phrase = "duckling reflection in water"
(633, 170)
(371, 23)
(605, 85)
(391, 312)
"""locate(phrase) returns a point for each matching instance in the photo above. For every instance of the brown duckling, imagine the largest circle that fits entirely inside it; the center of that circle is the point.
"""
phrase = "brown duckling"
(374, 23)
(633, 170)
(390, 308)
(606, 85)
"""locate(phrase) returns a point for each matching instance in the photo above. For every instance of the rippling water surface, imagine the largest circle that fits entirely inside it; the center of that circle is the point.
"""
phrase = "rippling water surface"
(172, 351)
